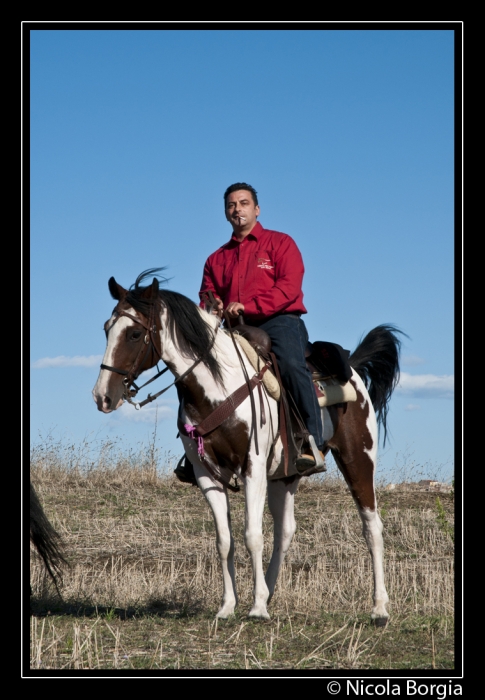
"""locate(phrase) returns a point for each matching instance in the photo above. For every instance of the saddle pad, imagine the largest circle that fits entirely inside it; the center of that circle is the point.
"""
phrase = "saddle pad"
(269, 380)
(335, 393)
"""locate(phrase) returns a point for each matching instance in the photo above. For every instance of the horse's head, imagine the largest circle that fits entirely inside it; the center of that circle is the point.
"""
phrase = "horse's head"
(132, 344)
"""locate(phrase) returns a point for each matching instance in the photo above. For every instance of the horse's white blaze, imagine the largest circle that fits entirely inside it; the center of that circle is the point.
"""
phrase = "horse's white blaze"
(372, 530)
(102, 391)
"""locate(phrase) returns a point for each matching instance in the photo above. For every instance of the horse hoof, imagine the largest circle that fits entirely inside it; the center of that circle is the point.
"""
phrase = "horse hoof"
(259, 615)
(380, 621)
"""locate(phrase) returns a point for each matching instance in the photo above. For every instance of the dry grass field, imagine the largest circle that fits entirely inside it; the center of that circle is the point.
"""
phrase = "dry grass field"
(144, 582)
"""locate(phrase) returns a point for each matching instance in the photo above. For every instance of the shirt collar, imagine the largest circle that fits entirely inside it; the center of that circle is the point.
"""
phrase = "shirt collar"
(254, 233)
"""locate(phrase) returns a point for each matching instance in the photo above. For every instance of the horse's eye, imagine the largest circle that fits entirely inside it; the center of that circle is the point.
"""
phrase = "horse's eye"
(136, 335)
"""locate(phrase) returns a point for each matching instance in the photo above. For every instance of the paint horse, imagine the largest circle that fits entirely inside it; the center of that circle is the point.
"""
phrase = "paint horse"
(149, 324)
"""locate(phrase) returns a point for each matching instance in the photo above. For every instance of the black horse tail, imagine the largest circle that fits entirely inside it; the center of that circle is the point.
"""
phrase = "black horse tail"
(46, 540)
(376, 359)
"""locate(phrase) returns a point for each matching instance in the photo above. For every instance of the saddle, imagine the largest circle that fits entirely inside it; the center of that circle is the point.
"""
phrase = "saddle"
(328, 363)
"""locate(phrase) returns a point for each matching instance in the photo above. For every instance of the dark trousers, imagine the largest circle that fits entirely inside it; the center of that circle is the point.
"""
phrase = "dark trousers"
(289, 338)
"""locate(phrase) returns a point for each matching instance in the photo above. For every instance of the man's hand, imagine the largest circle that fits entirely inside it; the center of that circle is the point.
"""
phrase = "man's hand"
(217, 307)
(234, 308)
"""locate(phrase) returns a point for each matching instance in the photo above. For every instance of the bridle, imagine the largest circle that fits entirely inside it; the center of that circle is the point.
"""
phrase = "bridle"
(149, 343)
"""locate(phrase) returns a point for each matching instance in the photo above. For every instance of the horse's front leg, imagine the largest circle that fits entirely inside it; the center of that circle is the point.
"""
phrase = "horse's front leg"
(217, 498)
(255, 488)
(281, 502)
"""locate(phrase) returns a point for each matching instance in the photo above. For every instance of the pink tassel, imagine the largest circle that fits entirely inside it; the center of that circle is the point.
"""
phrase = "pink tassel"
(191, 429)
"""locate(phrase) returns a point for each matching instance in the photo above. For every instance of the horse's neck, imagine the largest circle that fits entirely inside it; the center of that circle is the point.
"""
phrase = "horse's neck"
(178, 362)
(171, 355)
(223, 349)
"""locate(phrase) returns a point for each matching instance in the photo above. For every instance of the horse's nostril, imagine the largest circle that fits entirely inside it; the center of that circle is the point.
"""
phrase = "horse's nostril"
(107, 402)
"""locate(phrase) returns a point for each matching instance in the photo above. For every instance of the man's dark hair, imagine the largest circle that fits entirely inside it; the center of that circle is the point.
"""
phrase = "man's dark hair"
(241, 186)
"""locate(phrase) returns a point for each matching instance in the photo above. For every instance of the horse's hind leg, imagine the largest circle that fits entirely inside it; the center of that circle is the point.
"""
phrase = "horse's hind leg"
(372, 531)
(356, 461)
(281, 502)
(217, 498)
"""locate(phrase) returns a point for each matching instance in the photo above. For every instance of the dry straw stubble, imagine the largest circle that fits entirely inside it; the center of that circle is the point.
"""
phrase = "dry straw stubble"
(144, 581)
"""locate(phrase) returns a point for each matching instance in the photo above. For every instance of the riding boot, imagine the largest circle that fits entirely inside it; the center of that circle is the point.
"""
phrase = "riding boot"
(306, 463)
(185, 471)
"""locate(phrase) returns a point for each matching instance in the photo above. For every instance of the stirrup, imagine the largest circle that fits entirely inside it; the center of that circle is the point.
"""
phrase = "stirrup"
(185, 472)
(308, 464)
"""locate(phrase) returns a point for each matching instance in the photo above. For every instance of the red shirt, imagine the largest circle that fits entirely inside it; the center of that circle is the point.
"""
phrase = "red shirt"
(264, 272)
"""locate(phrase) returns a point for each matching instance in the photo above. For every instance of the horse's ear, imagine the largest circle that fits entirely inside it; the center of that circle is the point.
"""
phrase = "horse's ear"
(116, 290)
(155, 287)
(151, 292)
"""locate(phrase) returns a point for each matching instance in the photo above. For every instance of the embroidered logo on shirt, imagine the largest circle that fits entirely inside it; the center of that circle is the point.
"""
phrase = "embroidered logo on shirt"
(264, 264)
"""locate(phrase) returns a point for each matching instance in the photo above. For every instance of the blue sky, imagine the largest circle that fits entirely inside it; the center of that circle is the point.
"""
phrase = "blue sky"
(346, 134)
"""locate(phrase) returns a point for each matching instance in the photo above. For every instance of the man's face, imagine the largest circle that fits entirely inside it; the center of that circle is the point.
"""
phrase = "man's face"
(241, 211)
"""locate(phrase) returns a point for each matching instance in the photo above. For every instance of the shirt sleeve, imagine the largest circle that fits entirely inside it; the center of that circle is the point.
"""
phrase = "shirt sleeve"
(208, 282)
(287, 288)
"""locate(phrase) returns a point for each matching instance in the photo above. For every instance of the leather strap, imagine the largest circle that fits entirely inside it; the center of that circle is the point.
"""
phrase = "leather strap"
(227, 407)
(246, 376)
(223, 411)
(261, 403)
(283, 414)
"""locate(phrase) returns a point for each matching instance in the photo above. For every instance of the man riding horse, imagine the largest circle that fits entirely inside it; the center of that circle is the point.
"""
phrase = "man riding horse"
(259, 272)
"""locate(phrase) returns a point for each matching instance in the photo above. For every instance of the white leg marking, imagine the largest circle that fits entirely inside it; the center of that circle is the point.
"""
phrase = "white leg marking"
(281, 502)
(255, 487)
(217, 498)
(372, 531)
